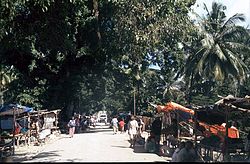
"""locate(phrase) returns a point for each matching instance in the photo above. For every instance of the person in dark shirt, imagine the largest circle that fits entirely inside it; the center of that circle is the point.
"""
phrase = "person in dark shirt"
(127, 119)
(156, 130)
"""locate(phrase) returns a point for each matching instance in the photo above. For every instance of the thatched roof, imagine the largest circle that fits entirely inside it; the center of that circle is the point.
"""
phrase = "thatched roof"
(235, 103)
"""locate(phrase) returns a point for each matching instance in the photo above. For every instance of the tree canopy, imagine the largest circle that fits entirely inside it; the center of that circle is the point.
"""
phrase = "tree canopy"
(88, 55)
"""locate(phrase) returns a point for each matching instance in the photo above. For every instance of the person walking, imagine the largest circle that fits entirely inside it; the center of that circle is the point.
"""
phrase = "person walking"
(114, 123)
(127, 119)
(132, 130)
(72, 125)
(121, 125)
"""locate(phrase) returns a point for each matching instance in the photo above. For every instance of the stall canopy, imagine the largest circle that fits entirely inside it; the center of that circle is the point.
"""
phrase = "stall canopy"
(170, 106)
(209, 114)
(209, 117)
(10, 109)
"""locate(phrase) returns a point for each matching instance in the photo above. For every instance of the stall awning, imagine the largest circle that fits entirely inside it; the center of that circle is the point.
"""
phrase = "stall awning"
(10, 109)
(171, 106)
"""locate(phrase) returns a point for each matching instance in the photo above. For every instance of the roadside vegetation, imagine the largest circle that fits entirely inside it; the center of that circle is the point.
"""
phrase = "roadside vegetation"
(89, 55)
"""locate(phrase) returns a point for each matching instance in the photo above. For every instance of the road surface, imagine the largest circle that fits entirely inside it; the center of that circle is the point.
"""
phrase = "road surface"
(97, 145)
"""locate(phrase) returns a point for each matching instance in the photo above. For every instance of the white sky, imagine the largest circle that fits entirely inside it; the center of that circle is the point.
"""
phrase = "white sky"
(233, 7)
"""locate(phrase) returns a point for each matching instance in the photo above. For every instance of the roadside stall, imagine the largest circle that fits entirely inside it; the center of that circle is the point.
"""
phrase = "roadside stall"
(205, 126)
(43, 124)
(234, 141)
(10, 132)
(221, 141)
(176, 120)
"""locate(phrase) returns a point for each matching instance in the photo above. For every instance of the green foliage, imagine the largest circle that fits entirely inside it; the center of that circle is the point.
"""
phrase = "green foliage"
(219, 57)
(86, 56)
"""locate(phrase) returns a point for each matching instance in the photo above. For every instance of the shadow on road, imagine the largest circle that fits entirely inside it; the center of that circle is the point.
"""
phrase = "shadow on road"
(46, 154)
(53, 155)
(121, 146)
(19, 157)
(139, 149)
(97, 129)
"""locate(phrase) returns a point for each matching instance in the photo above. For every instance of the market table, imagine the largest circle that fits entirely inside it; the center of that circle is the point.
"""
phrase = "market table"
(211, 152)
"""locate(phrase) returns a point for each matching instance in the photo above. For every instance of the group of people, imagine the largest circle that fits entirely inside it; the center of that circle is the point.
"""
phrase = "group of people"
(132, 125)
(117, 124)
(79, 123)
(184, 152)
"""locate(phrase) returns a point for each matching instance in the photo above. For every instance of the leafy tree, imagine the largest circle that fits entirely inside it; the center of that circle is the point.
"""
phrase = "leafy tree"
(220, 54)
(148, 32)
(52, 40)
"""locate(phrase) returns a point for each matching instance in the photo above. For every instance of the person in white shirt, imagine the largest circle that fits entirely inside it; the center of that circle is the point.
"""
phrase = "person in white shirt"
(132, 130)
(72, 125)
(114, 123)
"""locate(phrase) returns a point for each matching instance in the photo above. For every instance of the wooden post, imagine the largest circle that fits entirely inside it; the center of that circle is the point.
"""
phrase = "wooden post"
(178, 126)
(134, 103)
(195, 128)
(14, 127)
(226, 155)
(56, 118)
(29, 130)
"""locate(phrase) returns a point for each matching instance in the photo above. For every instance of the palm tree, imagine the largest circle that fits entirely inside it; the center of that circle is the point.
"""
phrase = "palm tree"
(219, 56)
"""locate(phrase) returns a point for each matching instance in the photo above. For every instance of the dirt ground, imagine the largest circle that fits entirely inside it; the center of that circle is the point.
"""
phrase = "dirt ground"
(97, 145)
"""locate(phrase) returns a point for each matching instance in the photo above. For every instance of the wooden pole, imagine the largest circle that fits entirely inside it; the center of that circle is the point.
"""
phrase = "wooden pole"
(195, 128)
(29, 130)
(134, 103)
(178, 126)
(14, 127)
(226, 155)
(56, 118)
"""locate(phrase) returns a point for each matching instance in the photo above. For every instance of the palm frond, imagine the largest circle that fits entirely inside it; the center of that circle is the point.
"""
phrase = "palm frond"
(238, 17)
(219, 52)
(235, 66)
(202, 60)
(235, 33)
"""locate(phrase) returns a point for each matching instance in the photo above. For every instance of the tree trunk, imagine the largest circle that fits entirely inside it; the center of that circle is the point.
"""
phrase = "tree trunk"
(70, 109)
(96, 14)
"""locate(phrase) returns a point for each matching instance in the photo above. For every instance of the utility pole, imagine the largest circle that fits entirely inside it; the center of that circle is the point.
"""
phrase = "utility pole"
(134, 102)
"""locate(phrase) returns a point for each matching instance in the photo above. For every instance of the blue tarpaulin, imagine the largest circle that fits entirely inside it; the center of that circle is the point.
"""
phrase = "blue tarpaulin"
(10, 109)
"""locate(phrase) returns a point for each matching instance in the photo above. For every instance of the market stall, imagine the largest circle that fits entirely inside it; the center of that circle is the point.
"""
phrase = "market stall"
(43, 124)
(234, 142)
(175, 119)
(208, 122)
(10, 132)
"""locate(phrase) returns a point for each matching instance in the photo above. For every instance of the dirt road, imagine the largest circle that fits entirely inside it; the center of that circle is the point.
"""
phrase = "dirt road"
(97, 145)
